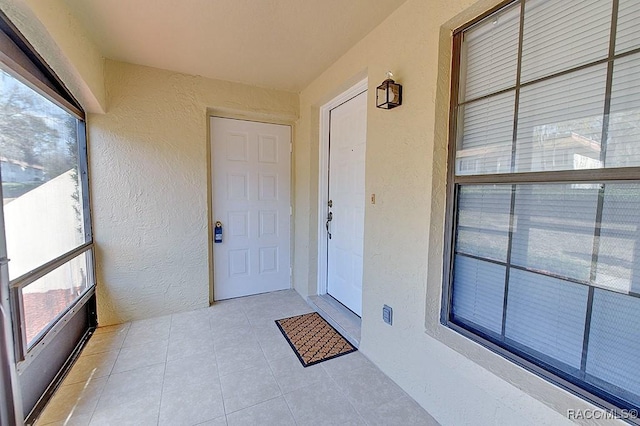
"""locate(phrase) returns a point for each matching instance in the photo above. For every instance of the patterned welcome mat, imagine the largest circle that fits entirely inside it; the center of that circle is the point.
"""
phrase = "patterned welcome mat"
(313, 339)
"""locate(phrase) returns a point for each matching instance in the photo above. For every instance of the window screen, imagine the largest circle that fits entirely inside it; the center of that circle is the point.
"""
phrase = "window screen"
(46, 224)
(544, 192)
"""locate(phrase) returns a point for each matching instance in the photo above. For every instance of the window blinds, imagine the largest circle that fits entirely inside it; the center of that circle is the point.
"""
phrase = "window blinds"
(550, 269)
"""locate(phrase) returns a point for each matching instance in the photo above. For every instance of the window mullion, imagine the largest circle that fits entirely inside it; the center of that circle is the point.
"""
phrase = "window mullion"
(508, 261)
(607, 97)
(19, 331)
(610, 175)
(514, 139)
(83, 172)
(592, 278)
(600, 206)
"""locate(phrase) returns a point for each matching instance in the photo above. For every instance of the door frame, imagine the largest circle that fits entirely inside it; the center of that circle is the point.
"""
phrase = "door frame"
(11, 410)
(323, 175)
(258, 118)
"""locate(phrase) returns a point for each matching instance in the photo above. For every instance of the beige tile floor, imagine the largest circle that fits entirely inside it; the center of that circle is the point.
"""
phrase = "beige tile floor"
(224, 365)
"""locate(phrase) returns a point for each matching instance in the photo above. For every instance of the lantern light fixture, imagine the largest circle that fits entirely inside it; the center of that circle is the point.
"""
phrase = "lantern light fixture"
(389, 93)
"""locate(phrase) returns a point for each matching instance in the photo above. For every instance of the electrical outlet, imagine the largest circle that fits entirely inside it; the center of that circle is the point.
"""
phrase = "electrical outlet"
(387, 314)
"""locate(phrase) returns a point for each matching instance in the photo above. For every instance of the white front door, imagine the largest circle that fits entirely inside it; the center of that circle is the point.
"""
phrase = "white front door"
(251, 198)
(347, 143)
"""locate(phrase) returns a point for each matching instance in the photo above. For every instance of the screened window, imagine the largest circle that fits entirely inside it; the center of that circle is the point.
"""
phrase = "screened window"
(544, 192)
(43, 168)
(41, 163)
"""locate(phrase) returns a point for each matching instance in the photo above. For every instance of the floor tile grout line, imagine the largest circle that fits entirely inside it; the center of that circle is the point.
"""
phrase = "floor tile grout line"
(358, 411)
(235, 371)
(114, 362)
(358, 368)
(215, 356)
(344, 395)
(264, 355)
(164, 372)
(102, 334)
(373, 367)
(279, 387)
(255, 405)
(66, 377)
(295, 421)
(93, 412)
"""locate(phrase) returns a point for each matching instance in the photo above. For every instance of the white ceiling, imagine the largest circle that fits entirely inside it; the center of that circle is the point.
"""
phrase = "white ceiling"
(280, 44)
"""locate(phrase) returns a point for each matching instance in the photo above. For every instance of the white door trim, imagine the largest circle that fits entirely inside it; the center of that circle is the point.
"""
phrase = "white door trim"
(323, 178)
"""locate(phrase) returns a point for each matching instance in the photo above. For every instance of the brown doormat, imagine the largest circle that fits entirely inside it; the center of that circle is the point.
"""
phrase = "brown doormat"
(313, 339)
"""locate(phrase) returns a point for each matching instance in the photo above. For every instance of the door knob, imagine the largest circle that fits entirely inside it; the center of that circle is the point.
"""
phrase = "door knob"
(329, 219)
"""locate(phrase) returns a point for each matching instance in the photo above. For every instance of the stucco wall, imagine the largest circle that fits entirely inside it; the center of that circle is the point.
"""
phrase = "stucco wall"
(456, 380)
(149, 174)
(62, 42)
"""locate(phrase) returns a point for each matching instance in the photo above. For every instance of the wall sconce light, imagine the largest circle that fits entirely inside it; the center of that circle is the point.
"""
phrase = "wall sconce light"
(389, 93)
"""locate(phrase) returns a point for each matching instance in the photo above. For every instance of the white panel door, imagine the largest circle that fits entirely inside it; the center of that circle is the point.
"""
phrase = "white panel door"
(347, 143)
(251, 197)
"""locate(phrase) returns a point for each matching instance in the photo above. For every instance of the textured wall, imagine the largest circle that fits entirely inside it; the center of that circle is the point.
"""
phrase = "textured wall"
(456, 380)
(148, 160)
(61, 40)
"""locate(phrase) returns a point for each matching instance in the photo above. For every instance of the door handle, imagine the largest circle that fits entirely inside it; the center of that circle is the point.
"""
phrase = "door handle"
(329, 219)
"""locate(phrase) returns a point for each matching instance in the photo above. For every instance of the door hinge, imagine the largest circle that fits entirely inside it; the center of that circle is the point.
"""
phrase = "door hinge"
(290, 147)
(290, 210)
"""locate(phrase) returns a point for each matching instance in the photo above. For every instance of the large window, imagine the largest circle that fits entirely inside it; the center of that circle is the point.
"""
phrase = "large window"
(46, 222)
(47, 283)
(544, 192)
